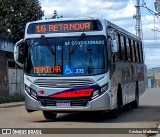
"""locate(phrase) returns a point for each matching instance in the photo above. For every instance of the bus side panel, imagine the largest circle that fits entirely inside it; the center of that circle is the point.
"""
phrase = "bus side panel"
(125, 75)
(141, 78)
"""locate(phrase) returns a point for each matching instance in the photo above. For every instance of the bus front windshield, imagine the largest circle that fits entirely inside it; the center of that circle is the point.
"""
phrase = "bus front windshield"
(66, 56)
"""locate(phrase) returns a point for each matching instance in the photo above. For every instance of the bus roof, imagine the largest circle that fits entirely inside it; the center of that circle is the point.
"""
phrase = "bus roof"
(119, 29)
(61, 19)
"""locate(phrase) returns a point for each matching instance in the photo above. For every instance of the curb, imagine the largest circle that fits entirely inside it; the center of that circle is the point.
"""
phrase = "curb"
(13, 104)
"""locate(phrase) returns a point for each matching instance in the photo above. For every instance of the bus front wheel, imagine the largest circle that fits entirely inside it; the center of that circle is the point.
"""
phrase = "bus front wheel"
(115, 112)
(49, 115)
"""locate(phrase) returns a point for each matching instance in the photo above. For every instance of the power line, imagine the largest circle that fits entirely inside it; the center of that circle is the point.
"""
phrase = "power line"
(144, 24)
(156, 3)
(151, 11)
(93, 10)
(100, 7)
(109, 8)
(145, 6)
(155, 15)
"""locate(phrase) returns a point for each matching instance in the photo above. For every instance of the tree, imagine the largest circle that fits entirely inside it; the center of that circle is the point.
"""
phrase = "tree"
(14, 14)
(55, 16)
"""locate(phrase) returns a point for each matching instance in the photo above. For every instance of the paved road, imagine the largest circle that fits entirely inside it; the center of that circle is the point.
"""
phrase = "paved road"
(147, 116)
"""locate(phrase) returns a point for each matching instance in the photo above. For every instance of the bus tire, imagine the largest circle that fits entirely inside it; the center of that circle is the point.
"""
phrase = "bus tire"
(115, 112)
(135, 103)
(49, 115)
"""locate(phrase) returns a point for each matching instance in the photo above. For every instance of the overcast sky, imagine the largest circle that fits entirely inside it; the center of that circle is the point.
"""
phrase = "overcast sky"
(119, 12)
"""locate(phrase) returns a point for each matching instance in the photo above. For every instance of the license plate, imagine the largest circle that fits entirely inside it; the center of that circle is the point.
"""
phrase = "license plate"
(63, 104)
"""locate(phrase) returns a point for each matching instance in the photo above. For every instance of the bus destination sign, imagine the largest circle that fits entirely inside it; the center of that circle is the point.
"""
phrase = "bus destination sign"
(64, 26)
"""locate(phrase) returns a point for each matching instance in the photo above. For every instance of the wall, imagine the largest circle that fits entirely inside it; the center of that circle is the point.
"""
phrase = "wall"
(11, 77)
(3, 74)
(15, 81)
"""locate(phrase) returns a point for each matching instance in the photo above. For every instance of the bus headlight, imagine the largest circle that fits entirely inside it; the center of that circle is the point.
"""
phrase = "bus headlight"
(27, 89)
(104, 88)
(31, 92)
(95, 94)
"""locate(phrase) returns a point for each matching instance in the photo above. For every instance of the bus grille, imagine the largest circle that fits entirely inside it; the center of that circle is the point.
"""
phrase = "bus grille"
(73, 102)
(63, 83)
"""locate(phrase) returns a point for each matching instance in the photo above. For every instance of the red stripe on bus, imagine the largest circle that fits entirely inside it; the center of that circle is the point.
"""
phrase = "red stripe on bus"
(76, 93)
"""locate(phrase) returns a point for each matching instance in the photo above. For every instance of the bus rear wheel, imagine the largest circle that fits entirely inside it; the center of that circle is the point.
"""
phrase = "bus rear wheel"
(49, 115)
(135, 103)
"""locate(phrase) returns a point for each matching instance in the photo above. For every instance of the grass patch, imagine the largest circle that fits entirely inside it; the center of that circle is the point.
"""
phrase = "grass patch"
(11, 98)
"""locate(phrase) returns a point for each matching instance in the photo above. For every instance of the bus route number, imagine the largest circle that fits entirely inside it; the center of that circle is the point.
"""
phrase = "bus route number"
(41, 28)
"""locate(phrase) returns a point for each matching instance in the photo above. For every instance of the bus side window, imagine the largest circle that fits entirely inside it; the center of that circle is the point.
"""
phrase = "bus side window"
(125, 49)
(136, 50)
(128, 49)
(135, 54)
(109, 52)
(122, 49)
(118, 54)
(139, 53)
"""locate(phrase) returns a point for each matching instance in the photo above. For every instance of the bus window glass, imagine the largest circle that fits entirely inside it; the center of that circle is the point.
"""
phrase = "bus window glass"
(123, 49)
(139, 53)
(136, 51)
(132, 47)
(118, 54)
(67, 56)
(128, 49)
(119, 41)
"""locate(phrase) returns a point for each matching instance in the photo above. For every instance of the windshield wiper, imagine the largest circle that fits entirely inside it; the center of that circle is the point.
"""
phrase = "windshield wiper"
(48, 45)
(75, 47)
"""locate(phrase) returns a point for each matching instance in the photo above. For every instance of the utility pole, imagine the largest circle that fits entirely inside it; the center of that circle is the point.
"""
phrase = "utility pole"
(157, 12)
(138, 19)
(157, 5)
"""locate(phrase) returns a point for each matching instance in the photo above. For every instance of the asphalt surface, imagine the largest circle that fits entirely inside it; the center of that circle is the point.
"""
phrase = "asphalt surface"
(146, 116)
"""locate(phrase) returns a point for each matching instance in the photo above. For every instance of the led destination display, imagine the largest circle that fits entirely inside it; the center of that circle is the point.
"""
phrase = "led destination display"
(64, 26)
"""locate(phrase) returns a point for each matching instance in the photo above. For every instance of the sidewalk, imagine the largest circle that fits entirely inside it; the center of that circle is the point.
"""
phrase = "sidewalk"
(12, 104)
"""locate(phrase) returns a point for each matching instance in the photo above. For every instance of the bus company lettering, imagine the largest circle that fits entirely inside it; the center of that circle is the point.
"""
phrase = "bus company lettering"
(63, 27)
(89, 42)
(48, 70)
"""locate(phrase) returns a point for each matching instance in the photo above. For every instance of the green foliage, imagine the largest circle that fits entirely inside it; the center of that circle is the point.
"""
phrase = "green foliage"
(55, 16)
(11, 98)
(14, 14)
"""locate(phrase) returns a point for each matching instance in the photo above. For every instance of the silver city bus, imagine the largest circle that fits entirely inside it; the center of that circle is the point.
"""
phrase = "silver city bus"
(73, 65)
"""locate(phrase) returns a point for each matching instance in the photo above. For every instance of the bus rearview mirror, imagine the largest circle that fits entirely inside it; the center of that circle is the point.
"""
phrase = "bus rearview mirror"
(19, 53)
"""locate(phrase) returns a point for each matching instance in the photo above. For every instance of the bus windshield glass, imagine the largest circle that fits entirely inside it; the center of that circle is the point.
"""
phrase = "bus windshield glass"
(66, 56)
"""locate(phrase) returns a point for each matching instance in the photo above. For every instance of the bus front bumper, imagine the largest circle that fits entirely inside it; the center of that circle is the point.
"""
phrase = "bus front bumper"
(100, 103)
